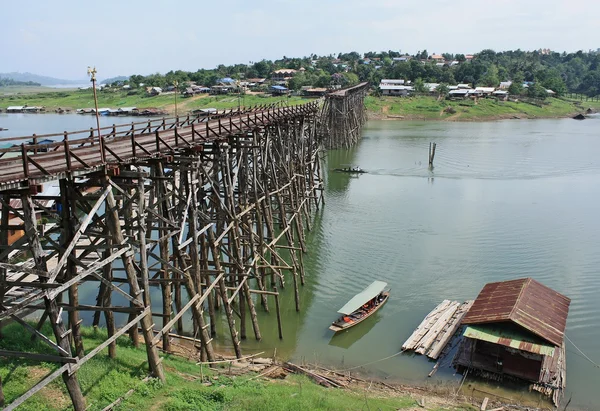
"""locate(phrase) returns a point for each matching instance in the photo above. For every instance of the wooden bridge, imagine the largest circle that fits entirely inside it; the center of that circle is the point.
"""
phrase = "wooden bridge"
(206, 211)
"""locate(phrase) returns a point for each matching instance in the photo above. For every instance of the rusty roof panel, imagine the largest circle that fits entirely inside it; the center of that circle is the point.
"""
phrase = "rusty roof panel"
(509, 337)
(526, 302)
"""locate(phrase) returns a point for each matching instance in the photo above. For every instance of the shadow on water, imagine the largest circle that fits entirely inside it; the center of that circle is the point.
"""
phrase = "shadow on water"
(346, 339)
(339, 182)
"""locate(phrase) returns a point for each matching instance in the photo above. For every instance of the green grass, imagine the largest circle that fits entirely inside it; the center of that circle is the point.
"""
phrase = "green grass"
(103, 380)
(429, 108)
(9, 90)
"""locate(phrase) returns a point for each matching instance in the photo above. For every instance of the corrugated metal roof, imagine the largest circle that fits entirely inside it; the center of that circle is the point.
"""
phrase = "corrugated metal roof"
(361, 298)
(509, 338)
(526, 302)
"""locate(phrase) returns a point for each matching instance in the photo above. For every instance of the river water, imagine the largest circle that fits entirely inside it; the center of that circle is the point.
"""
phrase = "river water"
(506, 200)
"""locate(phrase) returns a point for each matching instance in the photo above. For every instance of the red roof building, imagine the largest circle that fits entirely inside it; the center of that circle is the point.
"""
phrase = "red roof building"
(516, 329)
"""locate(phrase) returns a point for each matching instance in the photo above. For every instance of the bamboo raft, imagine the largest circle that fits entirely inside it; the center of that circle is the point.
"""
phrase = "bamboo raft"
(437, 329)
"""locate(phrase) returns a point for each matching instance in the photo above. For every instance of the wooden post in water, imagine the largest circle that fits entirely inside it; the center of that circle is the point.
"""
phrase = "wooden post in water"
(431, 154)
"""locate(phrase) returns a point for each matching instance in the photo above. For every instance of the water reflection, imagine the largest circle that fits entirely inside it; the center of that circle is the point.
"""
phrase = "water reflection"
(345, 339)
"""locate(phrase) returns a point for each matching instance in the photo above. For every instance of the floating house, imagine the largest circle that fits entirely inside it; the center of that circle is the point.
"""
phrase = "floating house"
(25, 109)
(516, 329)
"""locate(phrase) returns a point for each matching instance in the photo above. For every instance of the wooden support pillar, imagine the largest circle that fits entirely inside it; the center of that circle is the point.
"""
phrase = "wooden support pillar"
(69, 224)
(109, 315)
(163, 243)
(4, 231)
(224, 298)
(127, 258)
(128, 217)
(62, 339)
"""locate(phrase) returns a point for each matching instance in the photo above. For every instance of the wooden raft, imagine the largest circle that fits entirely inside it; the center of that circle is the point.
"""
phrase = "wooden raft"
(438, 327)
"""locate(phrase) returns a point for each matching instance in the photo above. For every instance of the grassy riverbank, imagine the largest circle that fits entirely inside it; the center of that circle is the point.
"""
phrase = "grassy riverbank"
(104, 380)
(114, 99)
(430, 108)
(398, 108)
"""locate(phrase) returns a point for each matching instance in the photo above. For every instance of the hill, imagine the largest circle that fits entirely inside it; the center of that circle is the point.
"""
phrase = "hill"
(36, 78)
(114, 79)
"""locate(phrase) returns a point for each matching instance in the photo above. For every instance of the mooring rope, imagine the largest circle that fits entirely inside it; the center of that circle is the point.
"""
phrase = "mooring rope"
(581, 352)
(372, 362)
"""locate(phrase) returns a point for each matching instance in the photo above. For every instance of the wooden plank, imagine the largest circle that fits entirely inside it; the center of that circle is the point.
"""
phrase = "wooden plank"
(37, 357)
(449, 331)
(422, 329)
(436, 328)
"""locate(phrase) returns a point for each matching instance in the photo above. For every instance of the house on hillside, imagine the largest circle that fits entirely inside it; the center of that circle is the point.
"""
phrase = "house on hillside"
(504, 85)
(486, 91)
(392, 81)
(153, 91)
(437, 58)
(395, 90)
(401, 59)
(277, 90)
(283, 74)
(220, 89)
(501, 94)
(516, 329)
(458, 93)
(226, 81)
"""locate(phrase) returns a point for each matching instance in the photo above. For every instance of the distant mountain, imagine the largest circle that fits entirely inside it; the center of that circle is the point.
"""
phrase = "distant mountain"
(113, 79)
(43, 80)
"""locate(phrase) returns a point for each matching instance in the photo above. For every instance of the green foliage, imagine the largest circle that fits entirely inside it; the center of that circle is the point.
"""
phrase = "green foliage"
(442, 89)
(516, 88)
(490, 79)
(103, 380)
(6, 82)
(420, 86)
(536, 90)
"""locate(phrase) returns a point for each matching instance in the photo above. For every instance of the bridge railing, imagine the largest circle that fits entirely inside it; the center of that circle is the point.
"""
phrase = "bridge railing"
(126, 141)
(32, 142)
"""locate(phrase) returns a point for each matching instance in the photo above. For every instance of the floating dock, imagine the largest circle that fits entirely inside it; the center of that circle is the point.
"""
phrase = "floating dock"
(437, 329)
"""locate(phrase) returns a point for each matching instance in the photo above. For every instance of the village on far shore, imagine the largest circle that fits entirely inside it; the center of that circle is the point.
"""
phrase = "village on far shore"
(283, 82)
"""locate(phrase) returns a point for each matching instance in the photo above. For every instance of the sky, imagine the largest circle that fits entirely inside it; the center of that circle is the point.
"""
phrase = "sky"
(62, 38)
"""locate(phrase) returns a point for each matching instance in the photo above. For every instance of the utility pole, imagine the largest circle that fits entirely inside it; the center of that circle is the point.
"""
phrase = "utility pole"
(92, 72)
(175, 83)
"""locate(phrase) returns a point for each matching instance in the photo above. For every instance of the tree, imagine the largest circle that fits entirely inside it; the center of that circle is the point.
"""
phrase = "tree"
(420, 86)
(490, 79)
(536, 90)
(515, 89)
(350, 79)
(442, 89)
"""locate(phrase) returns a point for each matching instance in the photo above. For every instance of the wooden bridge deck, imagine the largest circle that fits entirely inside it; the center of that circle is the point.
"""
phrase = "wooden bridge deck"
(83, 155)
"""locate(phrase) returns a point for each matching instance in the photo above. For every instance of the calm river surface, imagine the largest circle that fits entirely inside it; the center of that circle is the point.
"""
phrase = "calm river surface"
(505, 200)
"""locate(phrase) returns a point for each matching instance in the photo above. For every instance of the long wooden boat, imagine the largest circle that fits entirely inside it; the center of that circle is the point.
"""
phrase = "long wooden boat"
(350, 170)
(361, 306)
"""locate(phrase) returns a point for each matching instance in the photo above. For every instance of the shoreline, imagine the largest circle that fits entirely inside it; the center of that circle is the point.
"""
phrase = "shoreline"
(416, 108)
(380, 117)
